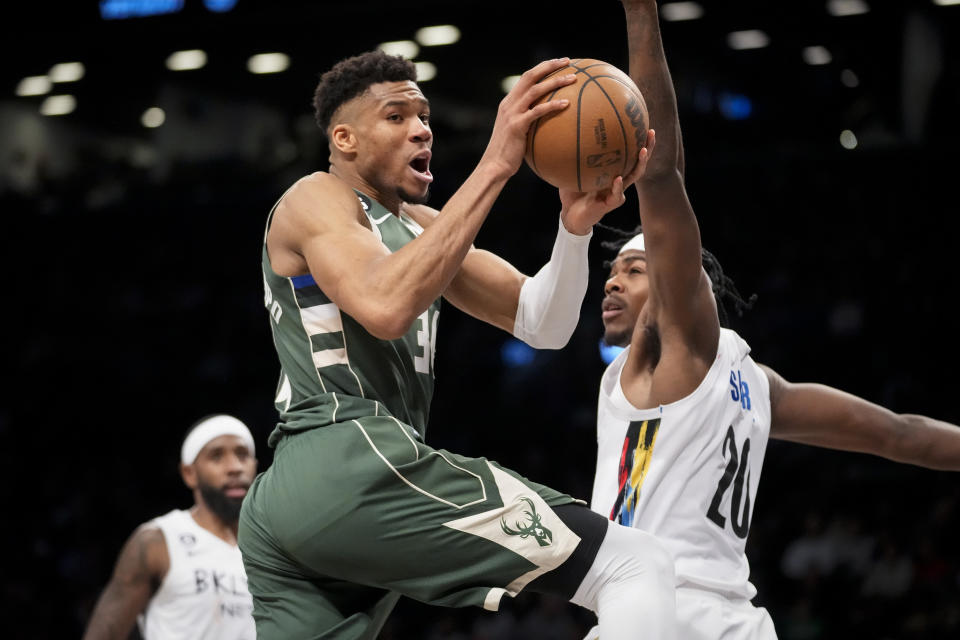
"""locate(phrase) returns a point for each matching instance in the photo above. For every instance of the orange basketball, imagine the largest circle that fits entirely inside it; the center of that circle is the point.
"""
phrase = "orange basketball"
(597, 137)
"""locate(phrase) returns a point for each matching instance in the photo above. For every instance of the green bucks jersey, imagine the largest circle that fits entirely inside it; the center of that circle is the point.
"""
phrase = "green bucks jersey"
(332, 369)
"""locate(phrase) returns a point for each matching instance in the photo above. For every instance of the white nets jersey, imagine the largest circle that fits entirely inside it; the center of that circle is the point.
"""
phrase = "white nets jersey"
(204, 594)
(687, 472)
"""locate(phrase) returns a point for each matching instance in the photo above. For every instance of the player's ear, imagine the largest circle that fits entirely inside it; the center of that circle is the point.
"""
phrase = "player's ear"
(189, 475)
(344, 138)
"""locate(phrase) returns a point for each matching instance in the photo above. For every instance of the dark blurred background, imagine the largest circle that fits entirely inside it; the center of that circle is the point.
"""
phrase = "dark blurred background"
(822, 167)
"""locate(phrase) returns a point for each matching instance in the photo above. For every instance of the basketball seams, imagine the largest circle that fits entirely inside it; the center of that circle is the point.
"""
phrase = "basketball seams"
(616, 114)
(579, 101)
(592, 74)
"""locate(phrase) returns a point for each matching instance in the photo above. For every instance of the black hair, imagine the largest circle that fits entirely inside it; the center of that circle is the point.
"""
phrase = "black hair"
(350, 77)
(724, 289)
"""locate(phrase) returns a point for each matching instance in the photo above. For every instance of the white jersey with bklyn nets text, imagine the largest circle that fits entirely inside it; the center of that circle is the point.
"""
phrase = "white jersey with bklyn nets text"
(204, 594)
(687, 472)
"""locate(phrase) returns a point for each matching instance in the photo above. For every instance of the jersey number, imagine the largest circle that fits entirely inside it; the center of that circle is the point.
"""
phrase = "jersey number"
(427, 340)
(737, 467)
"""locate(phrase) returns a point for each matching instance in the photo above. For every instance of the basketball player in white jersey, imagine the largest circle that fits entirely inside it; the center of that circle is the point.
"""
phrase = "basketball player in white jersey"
(181, 575)
(685, 413)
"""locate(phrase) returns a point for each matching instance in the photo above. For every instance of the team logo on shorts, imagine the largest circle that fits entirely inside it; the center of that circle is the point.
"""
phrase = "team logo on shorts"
(534, 528)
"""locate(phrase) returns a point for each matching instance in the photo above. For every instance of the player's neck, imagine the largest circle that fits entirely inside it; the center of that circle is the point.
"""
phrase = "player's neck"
(356, 181)
(204, 517)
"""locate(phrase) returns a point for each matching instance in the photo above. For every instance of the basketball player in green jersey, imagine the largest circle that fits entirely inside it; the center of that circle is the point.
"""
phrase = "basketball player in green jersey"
(356, 509)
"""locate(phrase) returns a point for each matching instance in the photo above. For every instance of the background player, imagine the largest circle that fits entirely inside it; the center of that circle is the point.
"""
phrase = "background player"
(355, 508)
(684, 412)
(181, 573)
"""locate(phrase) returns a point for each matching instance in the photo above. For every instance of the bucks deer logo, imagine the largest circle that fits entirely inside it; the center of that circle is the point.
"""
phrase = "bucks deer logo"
(533, 527)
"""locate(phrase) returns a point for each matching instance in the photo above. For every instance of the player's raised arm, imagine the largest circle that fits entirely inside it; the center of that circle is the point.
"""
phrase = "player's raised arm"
(140, 568)
(680, 301)
(319, 224)
(822, 416)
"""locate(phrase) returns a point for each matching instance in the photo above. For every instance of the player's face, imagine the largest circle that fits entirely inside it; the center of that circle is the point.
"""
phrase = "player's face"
(224, 469)
(394, 140)
(625, 293)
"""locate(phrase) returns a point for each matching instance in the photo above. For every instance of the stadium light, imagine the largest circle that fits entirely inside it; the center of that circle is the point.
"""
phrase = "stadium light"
(677, 11)
(187, 60)
(609, 352)
(816, 55)
(515, 354)
(268, 63)
(507, 83)
(405, 48)
(58, 105)
(840, 8)
(66, 72)
(425, 71)
(438, 35)
(847, 139)
(153, 117)
(748, 39)
(34, 86)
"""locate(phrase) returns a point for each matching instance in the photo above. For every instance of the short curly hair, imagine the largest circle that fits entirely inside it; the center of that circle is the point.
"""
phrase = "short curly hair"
(350, 77)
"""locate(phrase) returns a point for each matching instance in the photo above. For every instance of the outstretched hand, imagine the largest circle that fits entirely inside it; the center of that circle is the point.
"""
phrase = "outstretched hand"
(580, 211)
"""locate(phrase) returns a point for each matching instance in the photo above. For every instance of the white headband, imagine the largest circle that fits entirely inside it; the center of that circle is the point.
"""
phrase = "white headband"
(213, 427)
(636, 243)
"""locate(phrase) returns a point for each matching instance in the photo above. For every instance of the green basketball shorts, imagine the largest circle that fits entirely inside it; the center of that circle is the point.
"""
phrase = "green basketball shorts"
(351, 515)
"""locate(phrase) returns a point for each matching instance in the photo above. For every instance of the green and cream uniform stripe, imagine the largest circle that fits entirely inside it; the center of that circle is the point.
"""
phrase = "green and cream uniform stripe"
(332, 369)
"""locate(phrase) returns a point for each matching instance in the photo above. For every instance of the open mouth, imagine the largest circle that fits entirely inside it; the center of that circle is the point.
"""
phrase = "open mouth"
(610, 308)
(235, 492)
(421, 167)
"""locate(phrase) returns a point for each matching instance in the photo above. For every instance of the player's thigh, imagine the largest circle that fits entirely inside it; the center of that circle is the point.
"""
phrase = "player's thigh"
(367, 502)
(291, 603)
(702, 615)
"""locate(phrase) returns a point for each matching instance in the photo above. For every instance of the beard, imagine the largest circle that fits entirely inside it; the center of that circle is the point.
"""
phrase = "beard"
(617, 337)
(406, 197)
(222, 505)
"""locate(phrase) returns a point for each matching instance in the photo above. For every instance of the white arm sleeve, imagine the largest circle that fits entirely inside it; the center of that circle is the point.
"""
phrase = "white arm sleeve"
(549, 306)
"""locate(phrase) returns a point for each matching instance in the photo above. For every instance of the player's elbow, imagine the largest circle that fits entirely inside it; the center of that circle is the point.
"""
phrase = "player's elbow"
(549, 340)
(545, 336)
(387, 322)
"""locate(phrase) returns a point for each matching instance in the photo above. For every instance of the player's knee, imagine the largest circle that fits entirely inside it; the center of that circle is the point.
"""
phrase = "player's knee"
(629, 562)
(649, 554)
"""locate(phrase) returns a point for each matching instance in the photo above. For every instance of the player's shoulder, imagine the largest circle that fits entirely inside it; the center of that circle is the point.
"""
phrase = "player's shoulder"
(145, 552)
(321, 182)
(319, 191)
(149, 533)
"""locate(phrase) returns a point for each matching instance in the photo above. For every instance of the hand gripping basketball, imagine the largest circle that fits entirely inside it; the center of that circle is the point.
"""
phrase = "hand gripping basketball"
(524, 104)
(580, 211)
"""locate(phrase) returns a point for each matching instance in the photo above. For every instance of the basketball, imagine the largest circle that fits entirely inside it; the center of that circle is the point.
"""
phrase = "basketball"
(597, 137)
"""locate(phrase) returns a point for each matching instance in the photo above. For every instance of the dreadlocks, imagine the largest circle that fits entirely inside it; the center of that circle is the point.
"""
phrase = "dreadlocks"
(724, 289)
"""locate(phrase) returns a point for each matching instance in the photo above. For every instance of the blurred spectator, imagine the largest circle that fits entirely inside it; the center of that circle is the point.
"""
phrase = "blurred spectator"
(891, 574)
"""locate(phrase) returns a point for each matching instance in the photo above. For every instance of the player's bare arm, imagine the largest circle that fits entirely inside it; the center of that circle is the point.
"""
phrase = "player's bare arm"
(680, 307)
(319, 228)
(140, 568)
(487, 287)
(818, 415)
